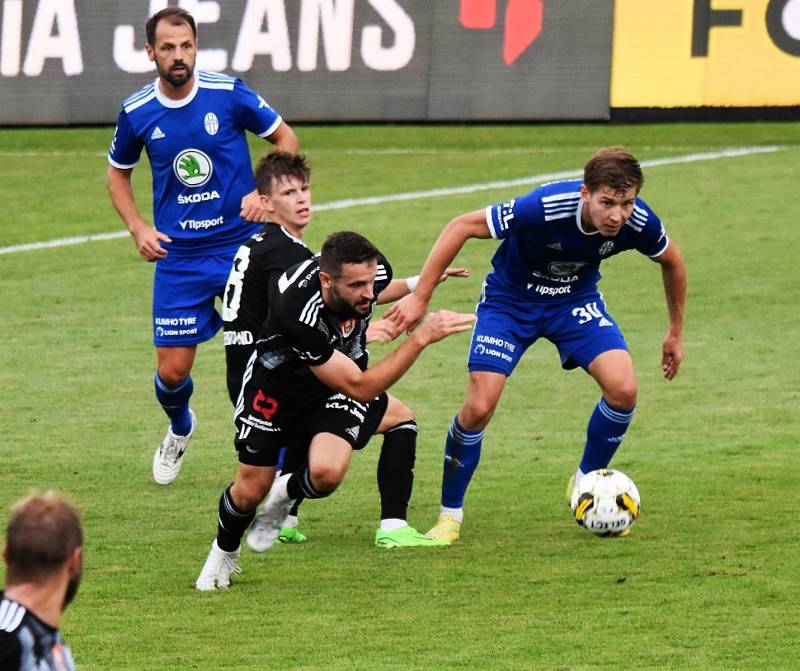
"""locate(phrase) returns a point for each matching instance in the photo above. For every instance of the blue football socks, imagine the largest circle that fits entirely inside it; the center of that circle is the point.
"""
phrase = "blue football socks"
(462, 453)
(607, 426)
(175, 401)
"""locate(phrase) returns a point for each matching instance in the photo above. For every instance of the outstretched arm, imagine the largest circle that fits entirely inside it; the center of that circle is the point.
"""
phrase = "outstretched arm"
(146, 237)
(342, 374)
(409, 311)
(404, 286)
(673, 272)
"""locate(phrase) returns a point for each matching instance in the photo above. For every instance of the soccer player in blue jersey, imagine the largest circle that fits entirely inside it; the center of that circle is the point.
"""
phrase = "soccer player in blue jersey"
(544, 285)
(193, 126)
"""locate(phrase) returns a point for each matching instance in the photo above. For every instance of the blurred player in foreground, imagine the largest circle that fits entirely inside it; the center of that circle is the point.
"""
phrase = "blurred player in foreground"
(544, 285)
(44, 565)
(283, 184)
(310, 389)
(192, 125)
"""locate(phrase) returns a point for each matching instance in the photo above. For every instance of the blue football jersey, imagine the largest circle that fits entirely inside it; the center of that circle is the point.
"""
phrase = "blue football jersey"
(545, 254)
(198, 156)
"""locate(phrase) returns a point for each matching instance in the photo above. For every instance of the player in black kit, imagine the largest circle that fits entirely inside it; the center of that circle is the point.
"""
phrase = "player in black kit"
(44, 559)
(283, 183)
(310, 389)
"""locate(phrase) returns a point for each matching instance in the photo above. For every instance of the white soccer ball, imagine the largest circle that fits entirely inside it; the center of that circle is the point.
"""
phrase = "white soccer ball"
(605, 502)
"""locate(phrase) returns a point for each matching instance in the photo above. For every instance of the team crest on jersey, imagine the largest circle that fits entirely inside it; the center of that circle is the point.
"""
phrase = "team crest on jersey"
(211, 123)
(606, 247)
(347, 326)
(192, 167)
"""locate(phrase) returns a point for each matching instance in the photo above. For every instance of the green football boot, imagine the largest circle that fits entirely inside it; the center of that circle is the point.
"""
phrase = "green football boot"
(291, 535)
(405, 537)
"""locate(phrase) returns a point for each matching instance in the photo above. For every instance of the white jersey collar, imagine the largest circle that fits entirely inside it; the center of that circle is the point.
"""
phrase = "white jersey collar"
(578, 220)
(174, 104)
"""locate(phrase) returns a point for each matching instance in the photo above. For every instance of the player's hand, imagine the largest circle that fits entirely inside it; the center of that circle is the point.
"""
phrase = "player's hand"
(407, 312)
(148, 241)
(442, 323)
(671, 355)
(382, 330)
(454, 272)
(252, 208)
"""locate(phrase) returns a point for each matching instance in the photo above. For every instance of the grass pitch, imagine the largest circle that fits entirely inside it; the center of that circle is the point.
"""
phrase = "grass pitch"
(708, 579)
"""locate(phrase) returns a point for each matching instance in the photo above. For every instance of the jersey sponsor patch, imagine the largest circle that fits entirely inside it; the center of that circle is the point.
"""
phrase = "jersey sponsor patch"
(193, 167)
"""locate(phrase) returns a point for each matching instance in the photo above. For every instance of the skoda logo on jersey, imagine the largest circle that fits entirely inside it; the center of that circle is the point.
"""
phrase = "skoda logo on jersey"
(564, 268)
(211, 123)
(606, 247)
(192, 167)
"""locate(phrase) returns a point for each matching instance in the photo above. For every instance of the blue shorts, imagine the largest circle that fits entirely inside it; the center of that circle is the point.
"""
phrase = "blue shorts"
(184, 289)
(580, 328)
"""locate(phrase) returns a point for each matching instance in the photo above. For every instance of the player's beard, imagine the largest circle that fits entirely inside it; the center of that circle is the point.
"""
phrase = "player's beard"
(72, 587)
(345, 310)
(176, 80)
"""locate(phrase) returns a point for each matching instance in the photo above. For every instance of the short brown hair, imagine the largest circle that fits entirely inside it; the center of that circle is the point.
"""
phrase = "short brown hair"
(614, 167)
(277, 165)
(175, 16)
(43, 532)
(345, 247)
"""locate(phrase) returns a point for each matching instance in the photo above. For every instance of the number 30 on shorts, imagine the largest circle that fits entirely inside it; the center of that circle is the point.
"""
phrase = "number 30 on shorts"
(587, 312)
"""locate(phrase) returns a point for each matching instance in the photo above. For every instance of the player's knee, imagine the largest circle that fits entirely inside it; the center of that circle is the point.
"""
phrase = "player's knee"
(247, 493)
(172, 375)
(476, 414)
(327, 477)
(622, 395)
(397, 413)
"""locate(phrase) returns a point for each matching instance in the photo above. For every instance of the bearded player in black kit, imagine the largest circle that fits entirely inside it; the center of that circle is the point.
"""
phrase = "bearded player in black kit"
(309, 389)
(283, 182)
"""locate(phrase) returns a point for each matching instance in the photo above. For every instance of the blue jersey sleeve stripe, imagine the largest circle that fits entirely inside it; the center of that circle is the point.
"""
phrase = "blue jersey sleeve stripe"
(141, 92)
(215, 76)
(272, 128)
(561, 196)
(490, 222)
(205, 84)
(121, 166)
(141, 101)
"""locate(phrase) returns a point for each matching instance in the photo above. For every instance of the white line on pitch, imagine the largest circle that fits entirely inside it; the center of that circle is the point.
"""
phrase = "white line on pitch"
(433, 193)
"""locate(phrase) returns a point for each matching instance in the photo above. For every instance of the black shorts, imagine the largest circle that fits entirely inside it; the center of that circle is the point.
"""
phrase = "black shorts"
(268, 420)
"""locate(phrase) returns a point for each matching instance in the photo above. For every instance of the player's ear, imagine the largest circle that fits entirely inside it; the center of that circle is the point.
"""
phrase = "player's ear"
(151, 54)
(325, 279)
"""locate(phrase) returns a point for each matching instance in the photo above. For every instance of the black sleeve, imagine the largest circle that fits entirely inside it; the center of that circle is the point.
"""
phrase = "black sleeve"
(10, 651)
(384, 276)
(297, 329)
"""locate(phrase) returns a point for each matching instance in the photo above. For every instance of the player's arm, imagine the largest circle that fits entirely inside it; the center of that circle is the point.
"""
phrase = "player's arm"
(397, 289)
(342, 374)
(146, 237)
(673, 272)
(408, 311)
(284, 138)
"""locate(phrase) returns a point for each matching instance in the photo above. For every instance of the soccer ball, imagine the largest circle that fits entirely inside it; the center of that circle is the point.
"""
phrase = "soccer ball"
(605, 502)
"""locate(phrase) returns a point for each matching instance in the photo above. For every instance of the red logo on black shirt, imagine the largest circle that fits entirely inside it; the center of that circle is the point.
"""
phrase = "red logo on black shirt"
(264, 404)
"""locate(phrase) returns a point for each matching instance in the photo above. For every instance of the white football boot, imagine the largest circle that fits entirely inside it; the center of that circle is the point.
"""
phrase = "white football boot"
(267, 523)
(168, 459)
(217, 571)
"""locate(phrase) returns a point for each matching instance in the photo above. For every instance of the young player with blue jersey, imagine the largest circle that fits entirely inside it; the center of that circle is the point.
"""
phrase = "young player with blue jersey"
(544, 285)
(193, 127)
